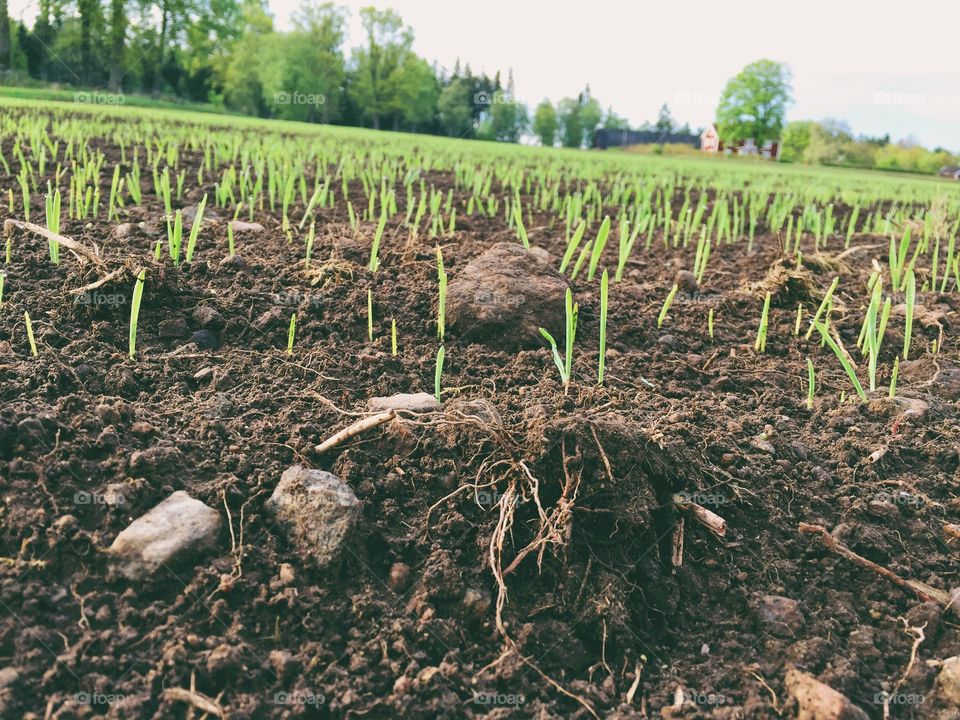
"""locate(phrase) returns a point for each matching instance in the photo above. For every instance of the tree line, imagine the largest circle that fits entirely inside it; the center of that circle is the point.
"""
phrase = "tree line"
(230, 54)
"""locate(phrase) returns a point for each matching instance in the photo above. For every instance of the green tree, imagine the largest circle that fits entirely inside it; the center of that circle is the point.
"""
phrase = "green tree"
(314, 67)
(4, 37)
(795, 141)
(455, 108)
(590, 116)
(508, 119)
(388, 43)
(753, 104)
(414, 97)
(118, 36)
(665, 122)
(571, 126)
(545, 123)
(614, 122)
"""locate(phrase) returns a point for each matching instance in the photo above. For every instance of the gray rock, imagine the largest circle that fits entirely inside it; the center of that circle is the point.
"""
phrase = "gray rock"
(173, 328)
(948, 681)
(414, 402)
(251, 227)
(818, 701)
(504, 296)
(208, 317)
(177, 529)
(780, 616)
(318, 510)
(8, 676)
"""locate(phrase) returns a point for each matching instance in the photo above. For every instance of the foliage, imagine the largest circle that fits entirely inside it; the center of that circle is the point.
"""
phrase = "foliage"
(753, 104)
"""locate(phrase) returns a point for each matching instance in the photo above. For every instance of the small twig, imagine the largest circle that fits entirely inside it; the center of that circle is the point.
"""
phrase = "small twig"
(196, 699)
(709, 519)
(101, 282)
(68, 243)
(362, 425)
(923, 591)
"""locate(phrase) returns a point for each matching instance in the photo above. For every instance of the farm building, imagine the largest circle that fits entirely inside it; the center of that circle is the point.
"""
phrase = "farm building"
(950, 171)
(710, 142)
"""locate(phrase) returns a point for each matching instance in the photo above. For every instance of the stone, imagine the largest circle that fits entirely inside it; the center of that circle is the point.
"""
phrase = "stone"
(319, 512)
(124, 230)
(413, 402)
(504, 296)
(251, 227)
(817, 701)
(399, 577)
(205, 339)
(948, 680)
(208, 317)
(780, 616)
(189, 213)
(686, 282)
(177, 529)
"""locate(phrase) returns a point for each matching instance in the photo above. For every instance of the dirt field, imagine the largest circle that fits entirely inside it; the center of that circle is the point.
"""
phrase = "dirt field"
(515, 552)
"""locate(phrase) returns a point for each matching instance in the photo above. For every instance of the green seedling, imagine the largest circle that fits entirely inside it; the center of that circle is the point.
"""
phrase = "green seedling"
(438, 373)
(291, 333)
(842, 356)
(760, 344)
(604, 292)
(135, 310)
(33, 343)
(811, 384)
(666, 305)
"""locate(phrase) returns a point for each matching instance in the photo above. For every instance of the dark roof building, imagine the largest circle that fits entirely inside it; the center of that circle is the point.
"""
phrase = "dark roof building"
(609, 137)
(950, 171)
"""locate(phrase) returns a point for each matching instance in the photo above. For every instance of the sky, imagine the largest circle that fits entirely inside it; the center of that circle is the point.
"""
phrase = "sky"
(883, 66)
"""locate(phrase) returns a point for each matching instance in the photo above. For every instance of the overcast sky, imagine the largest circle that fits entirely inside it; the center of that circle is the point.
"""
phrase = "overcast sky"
(883, 66)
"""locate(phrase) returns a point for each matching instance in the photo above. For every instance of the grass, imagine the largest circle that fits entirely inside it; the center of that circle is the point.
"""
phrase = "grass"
(135, 311)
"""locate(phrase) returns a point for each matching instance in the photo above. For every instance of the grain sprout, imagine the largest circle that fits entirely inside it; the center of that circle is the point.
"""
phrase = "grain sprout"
(666, 305)
(33, 343)
(760, 344)
(135, 310)
(291, 333)
(604, 290)
(565, 364)
(811, 384)
(842, 356)
(438, 373)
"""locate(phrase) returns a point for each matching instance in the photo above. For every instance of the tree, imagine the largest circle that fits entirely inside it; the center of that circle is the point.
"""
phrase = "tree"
(665, 122)
(590, 115)
(314, 67)
(388, 43)
(796, 140)
(571, 127)
(455, 109)
(118, 35)
(753, 104)
(508, 118)
(614, 122)
(545, 123)
(4, 37)
(414, 100)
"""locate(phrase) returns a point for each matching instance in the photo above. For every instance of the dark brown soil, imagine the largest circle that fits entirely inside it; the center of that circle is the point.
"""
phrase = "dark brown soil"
(595, 618)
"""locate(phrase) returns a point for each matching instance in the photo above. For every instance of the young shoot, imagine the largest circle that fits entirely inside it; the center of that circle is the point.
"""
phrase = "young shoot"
(604, 292)
(393, 337)
(893, 377)
(370, 314)
(135, 310)
(811, 384)
(760, 344)
(438, 373)
(911, 301)
(842, 356)
(374, 263)
(195, 229)
(666, 305)
(565, 364)
(441, 294)
(291, 333)
(33, 343)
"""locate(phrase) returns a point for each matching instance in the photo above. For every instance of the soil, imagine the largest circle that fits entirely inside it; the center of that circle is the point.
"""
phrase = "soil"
(515, 546)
